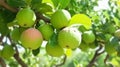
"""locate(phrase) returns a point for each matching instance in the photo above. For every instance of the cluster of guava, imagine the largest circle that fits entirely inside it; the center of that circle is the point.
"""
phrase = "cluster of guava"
(59, 33)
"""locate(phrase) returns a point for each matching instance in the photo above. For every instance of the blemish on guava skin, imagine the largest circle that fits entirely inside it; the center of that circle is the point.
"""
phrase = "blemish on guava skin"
(67, 46)
(25, 24)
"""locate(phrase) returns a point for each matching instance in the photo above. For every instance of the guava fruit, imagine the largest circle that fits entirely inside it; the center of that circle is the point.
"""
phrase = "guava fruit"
(69, 38)
(60, 19)
(111, 46)
(117, 33)
(54, 50)
(7, 51)
(84, 46)
(92, 45)
(31, 38)
(15, 34)
(88, 37)
(80, 27)
(26, 17)
(46, 30)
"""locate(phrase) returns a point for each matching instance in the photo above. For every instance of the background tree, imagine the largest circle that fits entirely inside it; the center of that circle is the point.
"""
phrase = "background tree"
(65, 33)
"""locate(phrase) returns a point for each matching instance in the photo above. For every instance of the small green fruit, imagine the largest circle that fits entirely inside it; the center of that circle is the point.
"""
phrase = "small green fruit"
(54, 50)
(26, 17)
(15, 34)
(88, 37)
(60, 19)
(46, 30)
(111, 46)
(69, 38)
(117, 33)
(7, 51)
(80, 27)
(31, 38)
(84, 46)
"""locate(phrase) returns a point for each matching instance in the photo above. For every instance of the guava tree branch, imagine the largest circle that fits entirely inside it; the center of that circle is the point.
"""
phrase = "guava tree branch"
(16, 55)
(2, 62)
(97, 53)
(5, 5)
(64, 60)
(105, 60)
(19, 60)
(1, 38)
(40, 16)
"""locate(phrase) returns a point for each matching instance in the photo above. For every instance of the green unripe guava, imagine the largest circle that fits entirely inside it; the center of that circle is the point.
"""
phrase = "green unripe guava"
(15, 34)
(117, 33)
(88, 37)
(60, 19)
(26, 17)
(7, 51)
(54, 50)
(69, 38)
(46, 30)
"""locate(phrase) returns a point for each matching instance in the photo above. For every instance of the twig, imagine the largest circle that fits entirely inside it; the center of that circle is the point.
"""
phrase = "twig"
(19, 60)
(2, 62)
(105, 60)
(3, 3)
(91, 63)
(1, 38)
(64, 59)
(16, 55)
(40, 16)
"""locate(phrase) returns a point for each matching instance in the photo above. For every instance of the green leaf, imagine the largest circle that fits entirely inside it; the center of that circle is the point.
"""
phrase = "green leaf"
(3, 28)
(45, 8)
(48, 1)
(117, 21)
(16, 3)
(35, 3)
(81, 19)
(53, 39)
(36, 52)
(61, 4)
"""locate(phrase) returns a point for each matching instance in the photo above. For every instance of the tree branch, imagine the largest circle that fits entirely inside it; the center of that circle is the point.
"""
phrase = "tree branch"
(64, 60)
(2, 62)
(3, 3)
(105, 60)
(1, 38)
(16, 55)
(40, 16)
(19, 60)
(91, 63)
